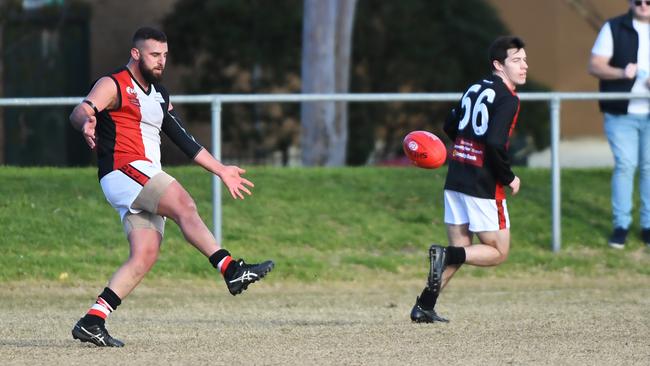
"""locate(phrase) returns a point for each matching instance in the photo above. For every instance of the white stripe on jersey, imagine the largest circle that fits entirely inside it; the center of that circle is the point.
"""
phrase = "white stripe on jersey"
(151, 123)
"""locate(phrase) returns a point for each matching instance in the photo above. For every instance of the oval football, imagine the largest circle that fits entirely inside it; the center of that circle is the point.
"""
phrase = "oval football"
(424, 149)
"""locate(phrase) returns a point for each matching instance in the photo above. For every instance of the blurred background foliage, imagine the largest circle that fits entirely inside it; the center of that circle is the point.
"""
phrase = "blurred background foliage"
(417, 46)
(254, 46)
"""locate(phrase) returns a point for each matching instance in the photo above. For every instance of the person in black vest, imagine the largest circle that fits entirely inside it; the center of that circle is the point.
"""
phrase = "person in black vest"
(620, 58)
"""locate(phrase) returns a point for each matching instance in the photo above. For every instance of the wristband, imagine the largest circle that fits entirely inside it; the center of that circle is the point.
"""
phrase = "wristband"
(92, 105)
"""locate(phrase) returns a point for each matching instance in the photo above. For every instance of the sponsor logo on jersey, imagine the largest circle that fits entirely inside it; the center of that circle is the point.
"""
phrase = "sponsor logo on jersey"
(132, 96)
(135, 101)
(468, 151)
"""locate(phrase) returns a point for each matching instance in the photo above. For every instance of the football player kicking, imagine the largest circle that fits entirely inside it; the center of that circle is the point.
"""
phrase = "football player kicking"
(122, 118)
(475, 201)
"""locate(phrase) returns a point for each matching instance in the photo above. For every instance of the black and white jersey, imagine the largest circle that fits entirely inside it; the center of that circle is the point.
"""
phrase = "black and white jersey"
(480, 127)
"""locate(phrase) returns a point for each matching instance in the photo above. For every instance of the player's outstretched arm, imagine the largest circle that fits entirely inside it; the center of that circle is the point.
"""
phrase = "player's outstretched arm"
(230, 175)
(82, 118)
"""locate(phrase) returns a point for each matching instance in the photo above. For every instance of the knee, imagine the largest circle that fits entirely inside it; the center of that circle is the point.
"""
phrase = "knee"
(497, 260)
(626, 167)
(186, 209)
(176, 203)
(503, 256)
(143, 261)
(501, 250)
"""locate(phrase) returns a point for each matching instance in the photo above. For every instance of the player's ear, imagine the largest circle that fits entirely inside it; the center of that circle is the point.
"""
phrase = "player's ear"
(497, 65)
(135, 54)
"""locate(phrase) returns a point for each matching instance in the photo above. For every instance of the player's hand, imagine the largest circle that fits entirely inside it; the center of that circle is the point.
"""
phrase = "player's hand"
(515, 185)
(231, 177)
(629, 72)
(88, 130)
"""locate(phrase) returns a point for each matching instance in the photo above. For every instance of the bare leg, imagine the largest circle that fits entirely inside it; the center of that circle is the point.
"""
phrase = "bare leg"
(177, 204)
(458, 236)
(493, 249)
(144, 248)
(423, 310)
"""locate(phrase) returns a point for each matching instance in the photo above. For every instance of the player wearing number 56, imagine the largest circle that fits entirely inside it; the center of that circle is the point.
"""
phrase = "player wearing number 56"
(475, 199)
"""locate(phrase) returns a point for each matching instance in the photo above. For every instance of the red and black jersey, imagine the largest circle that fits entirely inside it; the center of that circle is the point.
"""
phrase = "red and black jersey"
(480, 127)
(131, 131)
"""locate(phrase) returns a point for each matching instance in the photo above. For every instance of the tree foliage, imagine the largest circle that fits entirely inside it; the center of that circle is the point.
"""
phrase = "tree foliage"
(421, 46)
(216, 36)
(242, 46)
(254, 46)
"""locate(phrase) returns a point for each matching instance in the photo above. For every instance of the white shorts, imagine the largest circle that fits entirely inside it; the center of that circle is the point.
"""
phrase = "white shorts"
(121, 187)
(482, 214)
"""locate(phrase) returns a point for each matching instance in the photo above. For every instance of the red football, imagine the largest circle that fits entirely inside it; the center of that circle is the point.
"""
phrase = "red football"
(425, 149)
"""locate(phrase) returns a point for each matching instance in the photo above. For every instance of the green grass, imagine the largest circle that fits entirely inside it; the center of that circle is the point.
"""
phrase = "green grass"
(317, 224)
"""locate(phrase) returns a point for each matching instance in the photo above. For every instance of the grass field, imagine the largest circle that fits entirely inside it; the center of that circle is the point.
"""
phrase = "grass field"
(350, 251)
(317, 224)
(538, 320)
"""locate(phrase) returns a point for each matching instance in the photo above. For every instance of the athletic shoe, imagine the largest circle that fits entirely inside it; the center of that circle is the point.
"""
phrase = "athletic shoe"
(617, 240)
(420, 315)
(96, 334)
(247, 274)
(437, 256)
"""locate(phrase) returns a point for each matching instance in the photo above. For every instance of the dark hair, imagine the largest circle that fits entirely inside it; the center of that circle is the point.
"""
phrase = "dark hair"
(499, 48)
(145, 33)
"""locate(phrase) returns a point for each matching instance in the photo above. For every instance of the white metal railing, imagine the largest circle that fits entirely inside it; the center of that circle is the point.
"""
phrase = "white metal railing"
(217, 100)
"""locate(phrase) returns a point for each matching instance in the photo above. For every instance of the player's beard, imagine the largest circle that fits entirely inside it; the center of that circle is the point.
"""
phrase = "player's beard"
(148, 74)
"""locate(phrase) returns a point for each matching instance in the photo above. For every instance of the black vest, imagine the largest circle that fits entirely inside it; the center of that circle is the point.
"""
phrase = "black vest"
(626, 47)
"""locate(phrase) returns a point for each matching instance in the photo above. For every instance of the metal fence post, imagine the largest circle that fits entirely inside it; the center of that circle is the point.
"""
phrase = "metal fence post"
(216, 182)
(555, 174)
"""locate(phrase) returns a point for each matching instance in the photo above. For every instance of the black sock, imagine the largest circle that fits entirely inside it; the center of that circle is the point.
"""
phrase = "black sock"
(111, 298)
(455, 255)
(232, 266)
(217, 257)
(427, 299)
(113, 301)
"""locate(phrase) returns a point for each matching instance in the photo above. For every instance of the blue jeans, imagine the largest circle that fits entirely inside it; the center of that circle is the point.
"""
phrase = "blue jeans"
(629, 138)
